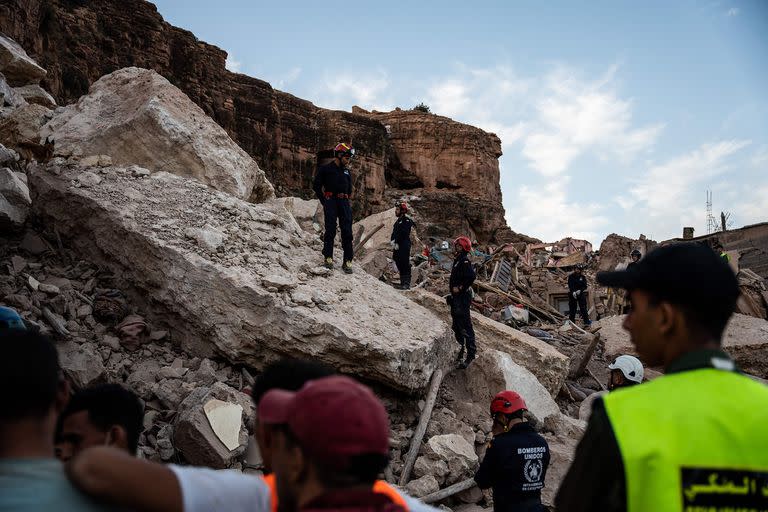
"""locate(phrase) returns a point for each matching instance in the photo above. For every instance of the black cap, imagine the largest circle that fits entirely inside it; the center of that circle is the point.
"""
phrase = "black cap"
(685, 273)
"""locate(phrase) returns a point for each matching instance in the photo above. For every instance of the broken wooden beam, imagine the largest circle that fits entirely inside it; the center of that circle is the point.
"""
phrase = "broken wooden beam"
(421, 428)
(449, 491)
(585, 358)
(54, 322)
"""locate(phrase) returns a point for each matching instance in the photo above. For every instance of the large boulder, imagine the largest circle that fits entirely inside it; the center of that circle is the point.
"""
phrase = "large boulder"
(17, 67)
(458, 454)
(81, 363)
(33, 93)
(210, 428)
(258, 296)
(544, 361)
(9, 97)
(136, 116)
(14, 200)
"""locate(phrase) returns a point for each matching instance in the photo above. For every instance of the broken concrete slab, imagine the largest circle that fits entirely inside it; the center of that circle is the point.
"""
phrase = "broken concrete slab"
(422, 486)
(136, 116)
(17, 67)
(14, 200)
(34, 94)
(225, 420)
(217, 302)
(548, 365)
(20, 130)
(196, 439)
(81, 363)
(457, 453)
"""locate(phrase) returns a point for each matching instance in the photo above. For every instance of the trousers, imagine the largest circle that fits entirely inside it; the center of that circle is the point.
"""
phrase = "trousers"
(335, 209)
(582, 302)
(462, 322)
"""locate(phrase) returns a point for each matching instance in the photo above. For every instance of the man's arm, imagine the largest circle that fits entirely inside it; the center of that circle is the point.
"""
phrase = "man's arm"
(317, 185)
(115, 477)
(595, 480)
(485, 473)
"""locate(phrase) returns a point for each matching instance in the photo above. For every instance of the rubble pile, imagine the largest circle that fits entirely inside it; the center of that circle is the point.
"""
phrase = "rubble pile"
(180, 289)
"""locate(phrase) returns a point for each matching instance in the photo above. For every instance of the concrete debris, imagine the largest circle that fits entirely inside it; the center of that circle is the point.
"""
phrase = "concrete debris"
(14, 200)
(17, 67)
(138, 118)
(458, 454)
(422, 486)
(34, 94)
(82, 364)
(20, 130)
(225, 420)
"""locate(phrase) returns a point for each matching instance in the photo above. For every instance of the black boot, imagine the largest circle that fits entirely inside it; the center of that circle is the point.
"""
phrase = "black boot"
(464, 364)
(405, 282)
(460, 357)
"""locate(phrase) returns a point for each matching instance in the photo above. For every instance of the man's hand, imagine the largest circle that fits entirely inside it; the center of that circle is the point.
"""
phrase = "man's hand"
(455, 290)
(115, 477)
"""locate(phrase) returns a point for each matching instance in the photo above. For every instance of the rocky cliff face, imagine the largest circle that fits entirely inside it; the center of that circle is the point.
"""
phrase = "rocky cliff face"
(77, 42)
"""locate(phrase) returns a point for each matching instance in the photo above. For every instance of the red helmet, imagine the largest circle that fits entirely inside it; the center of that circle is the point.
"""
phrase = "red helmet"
(464, 242)
(402, 206)
(507, 402)
(343, 149)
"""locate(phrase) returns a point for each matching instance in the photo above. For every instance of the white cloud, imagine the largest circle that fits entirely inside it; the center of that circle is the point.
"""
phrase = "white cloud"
(574, 117)
(545, 212)
(752, 206)
(733, 11)
(671, 194)
(760, 158)
(232, 64)
(288, 78)
(343, 90)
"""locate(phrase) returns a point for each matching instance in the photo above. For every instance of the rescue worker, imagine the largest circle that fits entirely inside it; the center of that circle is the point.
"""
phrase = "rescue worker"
(625, 371)
(577, 287)
(516, 460)
(694, 438)
(635, 256)
(333, 187)
(400, 241)
(460, 299)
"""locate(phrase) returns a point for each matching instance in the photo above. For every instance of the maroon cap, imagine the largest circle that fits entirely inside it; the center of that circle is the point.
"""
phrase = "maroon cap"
(333, 418)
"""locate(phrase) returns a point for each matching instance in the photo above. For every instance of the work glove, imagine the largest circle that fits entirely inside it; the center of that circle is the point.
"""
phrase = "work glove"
(394, 245)
(575, 294)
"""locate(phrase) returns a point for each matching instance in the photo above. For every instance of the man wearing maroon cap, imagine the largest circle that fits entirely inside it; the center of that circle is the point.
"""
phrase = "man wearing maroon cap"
(332, 442)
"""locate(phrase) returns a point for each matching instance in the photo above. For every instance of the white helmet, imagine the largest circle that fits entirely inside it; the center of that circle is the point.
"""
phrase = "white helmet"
(630, 366)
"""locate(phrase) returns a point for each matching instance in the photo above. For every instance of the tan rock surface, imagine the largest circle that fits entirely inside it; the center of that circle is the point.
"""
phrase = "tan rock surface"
(138, 117)
(17, 67)
(238, 299)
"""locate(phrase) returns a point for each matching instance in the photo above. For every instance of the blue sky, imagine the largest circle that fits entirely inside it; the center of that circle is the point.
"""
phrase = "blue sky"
(615, 116)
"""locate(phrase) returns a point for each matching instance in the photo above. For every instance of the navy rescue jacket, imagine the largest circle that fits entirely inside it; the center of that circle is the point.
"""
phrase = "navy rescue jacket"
(332, 178)
(401, 232)
(515, 466)
(577, 282)
(462, 273)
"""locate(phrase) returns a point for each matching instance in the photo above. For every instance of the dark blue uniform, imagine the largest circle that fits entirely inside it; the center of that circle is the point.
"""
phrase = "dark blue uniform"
(515, 465)
(462, 277)
(577, 282)
(333, 186)
(401, 235)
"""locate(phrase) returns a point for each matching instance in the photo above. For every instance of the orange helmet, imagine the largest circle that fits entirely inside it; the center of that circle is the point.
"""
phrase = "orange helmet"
(343, 149)
(464, 242)
(507, 402)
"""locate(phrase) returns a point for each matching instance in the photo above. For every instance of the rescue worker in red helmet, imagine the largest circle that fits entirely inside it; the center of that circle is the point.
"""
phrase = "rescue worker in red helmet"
(516, 461)
(460, 300)
(333, 187)
(400, 241)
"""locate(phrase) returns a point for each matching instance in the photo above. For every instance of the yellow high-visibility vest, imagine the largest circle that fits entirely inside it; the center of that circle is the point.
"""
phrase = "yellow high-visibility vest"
(694, 441)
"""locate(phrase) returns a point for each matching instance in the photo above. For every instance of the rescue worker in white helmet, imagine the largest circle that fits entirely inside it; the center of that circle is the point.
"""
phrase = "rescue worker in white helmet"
(625, 371)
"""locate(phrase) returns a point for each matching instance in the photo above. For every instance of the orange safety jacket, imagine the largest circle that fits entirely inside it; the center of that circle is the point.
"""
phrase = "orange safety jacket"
(379, 487)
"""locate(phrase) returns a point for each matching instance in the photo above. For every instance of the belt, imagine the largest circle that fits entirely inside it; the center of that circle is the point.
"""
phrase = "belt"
(329, 195)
